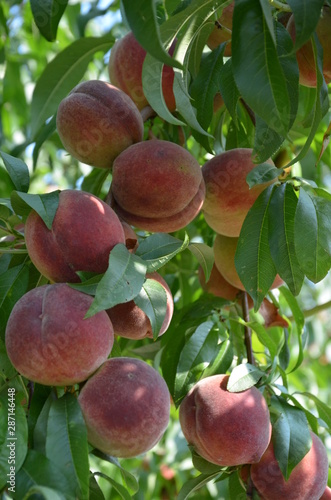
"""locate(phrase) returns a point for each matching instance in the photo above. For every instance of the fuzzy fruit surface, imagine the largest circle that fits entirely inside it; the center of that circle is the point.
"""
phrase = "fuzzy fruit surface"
(217, 284)
(97, 121)
(125, 71)
(305, 54)
(225, 428)
(48, 340)
(307, 480)
(219, 35)
(228, 197)
(84, 231)
(131, 322)
(157, 186)
(126, 406)
(224, 253)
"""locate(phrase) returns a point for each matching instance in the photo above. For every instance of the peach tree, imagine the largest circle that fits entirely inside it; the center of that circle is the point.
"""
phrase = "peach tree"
(165, 247)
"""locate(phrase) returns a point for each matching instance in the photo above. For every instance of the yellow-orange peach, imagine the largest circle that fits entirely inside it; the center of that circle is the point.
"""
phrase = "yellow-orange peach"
(84, 231)
(48, 340)
(228, 197)
(307, 480)
(225, 428)
(131, 322)
(305, 55)
(224, 253)
(97, 121)
(125, 71)
(157, 186)
(219, 34)
(126, 406)
(217, 284)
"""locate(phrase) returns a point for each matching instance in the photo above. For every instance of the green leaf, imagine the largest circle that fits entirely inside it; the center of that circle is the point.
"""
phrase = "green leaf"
(244, 377)
(324, 411)
(121, 282)
(44, 204)
(265, 338)
(229, 90)
(38, 470)
(236, 489)
(195, 484)
(266, 140)
(40, 429)
(152, 299)
(14, 284)
(47, 15)
(204, 255)
(124, 494)
(203, 465)
(45, 492)
(311, 235)
(13, 433)
(61, 75)
(44, 133)
(262, 173)
(95, 490)
(306, 16)
(253, 260)
(18, 171)
(281, 236)
(129, 479)
(66, 442)
(93, 182)
(257, 70)
(198, 351)
(142, 19)
(156, 250)
(291, 436)
(222, 362)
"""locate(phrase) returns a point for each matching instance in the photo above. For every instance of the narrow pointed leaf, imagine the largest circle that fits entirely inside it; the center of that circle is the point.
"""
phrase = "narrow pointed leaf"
(159, 248)
(299, 320)
(281, 236)
(291, 437)
(324, 411)
(262, 173)
(266, 140)
(195, 484)
(121, 282)
(204, 255)
(253, 258)
(306, 16)
(119, 488)
(44, 204)
(229, 90)
(47, 15)
(152, 299)
(18, 171)
(243, 377)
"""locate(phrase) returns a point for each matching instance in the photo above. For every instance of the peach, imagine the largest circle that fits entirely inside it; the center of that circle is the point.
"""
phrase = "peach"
(307, 480)
(305, 54)
(131, 322)
(225, 428)
(217, 284)
(126, 406)
(97, 121)
(125, 71)
(327, 494)
(224, 252)
(84, 231)
(219, 34)
(157, 186)
(228, 197)
(48, 340)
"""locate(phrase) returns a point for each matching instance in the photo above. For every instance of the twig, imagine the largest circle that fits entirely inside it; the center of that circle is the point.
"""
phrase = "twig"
(280, 5)
(248, 331)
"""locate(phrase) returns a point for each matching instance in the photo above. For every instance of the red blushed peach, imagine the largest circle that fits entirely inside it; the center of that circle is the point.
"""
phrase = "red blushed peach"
(84, 231)
(126, 406)
(97, 121)
(125, 71)
(217, 284)
(228, 197)
(131, 322)
(219, 34)
(224, 253)
(305, 55)
(225, 428)
(49, 341)
(327, 494)
(157, 186)
(307, 480)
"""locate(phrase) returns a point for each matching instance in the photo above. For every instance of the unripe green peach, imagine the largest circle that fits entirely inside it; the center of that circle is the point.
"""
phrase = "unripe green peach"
(48, 340)
(97, 121)
(126, 406)
(84, 231)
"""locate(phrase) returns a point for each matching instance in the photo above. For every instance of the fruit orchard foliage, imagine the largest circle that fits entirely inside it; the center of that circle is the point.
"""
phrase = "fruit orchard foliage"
(45, 51)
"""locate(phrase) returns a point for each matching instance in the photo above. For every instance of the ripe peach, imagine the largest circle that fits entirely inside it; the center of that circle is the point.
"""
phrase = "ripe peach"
(224, 252)
(49, 341)
(126, 406)
(97, 121)
(125, 71)
(225, 428)
(219, 34)
(217, 284)
(157, 186)
(327, 494)
(228, 197)
(131, 322)
(84, 231)
(305, 55)
(307, 480)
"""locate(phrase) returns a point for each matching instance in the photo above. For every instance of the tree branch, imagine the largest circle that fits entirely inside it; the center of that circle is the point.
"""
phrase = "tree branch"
(248, 331)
